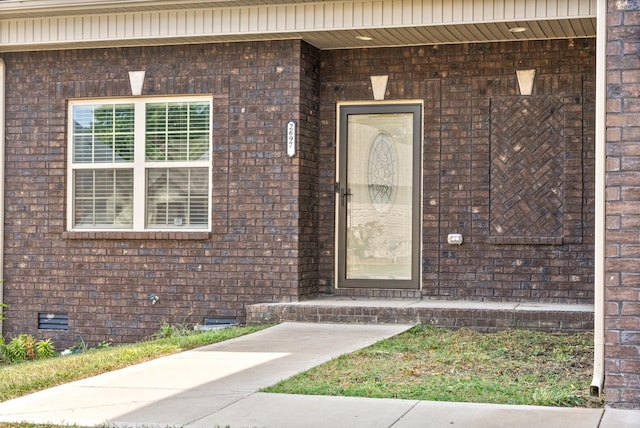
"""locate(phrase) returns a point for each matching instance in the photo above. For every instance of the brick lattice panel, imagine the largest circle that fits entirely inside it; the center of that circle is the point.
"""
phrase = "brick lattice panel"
(527, 168)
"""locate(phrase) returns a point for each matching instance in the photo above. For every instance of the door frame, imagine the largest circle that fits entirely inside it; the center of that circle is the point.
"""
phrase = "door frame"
(343, 109)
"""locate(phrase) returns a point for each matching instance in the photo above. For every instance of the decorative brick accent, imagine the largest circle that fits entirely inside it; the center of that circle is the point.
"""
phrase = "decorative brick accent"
(527, 169)
(622, 342)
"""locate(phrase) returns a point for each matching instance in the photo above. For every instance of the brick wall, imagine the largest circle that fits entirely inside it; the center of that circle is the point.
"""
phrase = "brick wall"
(262, 207)
(622, 342)
(457, 84)
(273, 216)
(307, 161)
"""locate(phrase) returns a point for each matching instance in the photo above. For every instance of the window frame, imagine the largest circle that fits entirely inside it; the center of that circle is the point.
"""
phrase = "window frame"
(140, 166)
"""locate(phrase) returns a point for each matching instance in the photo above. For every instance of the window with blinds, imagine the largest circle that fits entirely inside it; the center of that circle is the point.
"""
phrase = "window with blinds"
(140, 165)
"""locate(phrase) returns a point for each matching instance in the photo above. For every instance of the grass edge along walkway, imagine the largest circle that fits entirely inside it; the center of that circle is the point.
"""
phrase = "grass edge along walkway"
(24, 378)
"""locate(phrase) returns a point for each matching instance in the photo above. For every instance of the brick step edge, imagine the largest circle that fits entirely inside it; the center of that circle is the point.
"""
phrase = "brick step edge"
(473, 318)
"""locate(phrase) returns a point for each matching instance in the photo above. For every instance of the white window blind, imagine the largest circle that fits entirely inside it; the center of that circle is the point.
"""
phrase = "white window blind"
(141, 165)
(177, 132)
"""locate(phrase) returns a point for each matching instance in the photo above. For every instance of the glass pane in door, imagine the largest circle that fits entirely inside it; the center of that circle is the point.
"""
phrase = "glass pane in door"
(378, 196)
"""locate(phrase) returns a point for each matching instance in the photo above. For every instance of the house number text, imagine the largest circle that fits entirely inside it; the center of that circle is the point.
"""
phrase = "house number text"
(291, 138)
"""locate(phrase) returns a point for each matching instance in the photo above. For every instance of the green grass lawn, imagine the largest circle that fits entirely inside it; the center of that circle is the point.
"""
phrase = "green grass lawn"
(427, 363)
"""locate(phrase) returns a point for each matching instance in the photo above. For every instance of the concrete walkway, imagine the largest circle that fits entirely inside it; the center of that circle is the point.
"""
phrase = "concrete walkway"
(216, 386)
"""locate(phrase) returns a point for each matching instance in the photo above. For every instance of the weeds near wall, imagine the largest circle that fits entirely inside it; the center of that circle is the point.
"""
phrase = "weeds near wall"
(173, 330)
(24, 348)
(168, 330)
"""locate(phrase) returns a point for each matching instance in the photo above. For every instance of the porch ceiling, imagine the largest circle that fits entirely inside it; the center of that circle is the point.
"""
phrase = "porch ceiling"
(341, 24)
(450, 34)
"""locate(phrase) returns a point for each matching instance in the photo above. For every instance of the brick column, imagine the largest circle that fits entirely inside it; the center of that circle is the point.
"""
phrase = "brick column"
(622, 306)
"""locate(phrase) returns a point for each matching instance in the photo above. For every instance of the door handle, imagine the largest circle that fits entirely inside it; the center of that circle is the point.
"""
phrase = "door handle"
(344, 193)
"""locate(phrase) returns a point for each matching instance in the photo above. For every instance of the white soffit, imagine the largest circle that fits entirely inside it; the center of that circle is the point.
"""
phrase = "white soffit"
(62, 24)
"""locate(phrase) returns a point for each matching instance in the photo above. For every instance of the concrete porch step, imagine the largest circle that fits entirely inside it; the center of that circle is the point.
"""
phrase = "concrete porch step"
(482, 316)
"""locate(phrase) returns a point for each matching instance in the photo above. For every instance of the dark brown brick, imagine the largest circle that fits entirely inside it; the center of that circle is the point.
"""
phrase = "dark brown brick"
(623, 177)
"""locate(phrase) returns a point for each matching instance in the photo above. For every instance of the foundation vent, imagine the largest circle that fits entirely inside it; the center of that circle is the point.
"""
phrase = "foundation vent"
(220, 321)
(48, 321)
(216, 323)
